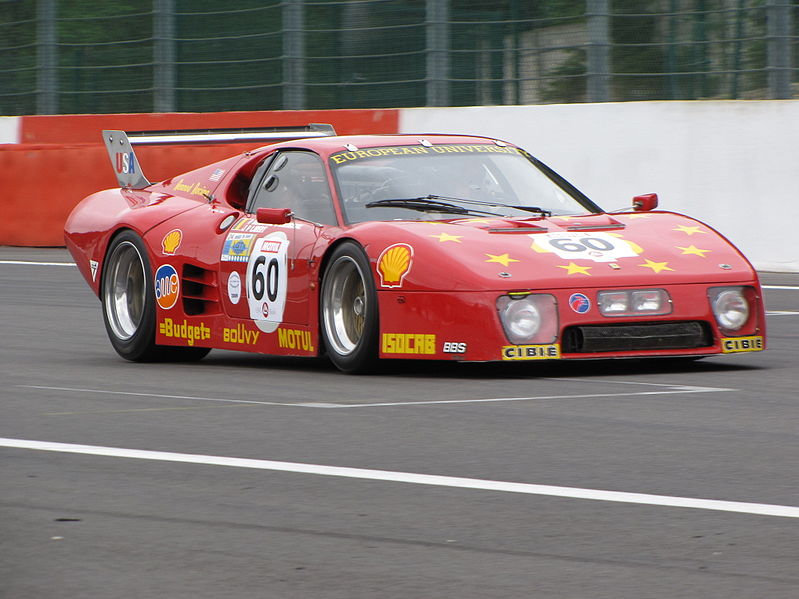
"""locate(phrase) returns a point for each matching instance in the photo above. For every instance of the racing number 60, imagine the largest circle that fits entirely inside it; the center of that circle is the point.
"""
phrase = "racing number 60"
(583, 244)
(269, 282)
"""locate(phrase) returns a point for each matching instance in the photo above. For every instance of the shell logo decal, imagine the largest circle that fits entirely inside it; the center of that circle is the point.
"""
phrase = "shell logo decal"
(394, 263)
(171, 241)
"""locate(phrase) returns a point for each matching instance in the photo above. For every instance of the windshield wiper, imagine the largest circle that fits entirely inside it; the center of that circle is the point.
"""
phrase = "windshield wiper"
(534, 209)
(428, 203)
(437, 203)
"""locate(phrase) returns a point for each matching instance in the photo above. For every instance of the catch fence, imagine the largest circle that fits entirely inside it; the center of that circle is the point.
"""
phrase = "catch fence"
(77, 56)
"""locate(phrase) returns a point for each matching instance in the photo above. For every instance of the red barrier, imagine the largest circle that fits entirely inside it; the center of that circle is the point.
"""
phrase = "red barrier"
(61, 159)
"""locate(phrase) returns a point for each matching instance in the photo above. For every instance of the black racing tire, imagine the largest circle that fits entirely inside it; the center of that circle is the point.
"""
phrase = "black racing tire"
(348, 311)
(128, 298)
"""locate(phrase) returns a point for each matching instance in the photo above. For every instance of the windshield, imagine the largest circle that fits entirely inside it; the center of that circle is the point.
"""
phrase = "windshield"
(409, 182)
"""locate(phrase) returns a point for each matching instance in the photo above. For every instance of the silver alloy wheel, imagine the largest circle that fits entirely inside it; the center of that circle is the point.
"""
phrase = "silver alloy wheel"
(344, 305)
(124, 290)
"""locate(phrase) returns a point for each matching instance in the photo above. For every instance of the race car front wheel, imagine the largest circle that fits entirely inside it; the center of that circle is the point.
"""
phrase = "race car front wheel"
(128, 300)
(348, 310)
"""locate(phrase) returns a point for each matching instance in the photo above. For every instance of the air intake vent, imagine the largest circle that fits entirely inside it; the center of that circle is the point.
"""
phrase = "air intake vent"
(200, 291)
(636, 337)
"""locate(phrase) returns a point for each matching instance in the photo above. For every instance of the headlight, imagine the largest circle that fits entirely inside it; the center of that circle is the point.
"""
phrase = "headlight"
(730, 307)
(634, 302)
(530, 318)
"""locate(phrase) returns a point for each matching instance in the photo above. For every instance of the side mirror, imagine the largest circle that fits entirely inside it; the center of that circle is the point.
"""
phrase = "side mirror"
(273, 216)
(645, 202)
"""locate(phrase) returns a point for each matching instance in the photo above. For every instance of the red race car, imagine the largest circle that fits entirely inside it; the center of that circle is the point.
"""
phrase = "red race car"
(361, 248)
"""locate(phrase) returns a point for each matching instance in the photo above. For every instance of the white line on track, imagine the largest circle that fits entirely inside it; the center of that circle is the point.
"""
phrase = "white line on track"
(29, 263)
(788, 287)
(135, 394)
(669, 390)
(762, 509)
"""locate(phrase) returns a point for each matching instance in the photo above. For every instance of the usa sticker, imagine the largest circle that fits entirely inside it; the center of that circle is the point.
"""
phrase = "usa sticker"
(167, 286)
(579, 302)
(593, 245)
(217, 174)
(237, 247)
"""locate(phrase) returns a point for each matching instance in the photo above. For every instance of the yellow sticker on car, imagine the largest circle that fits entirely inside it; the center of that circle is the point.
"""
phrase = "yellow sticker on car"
(531, 352)
(731, 345)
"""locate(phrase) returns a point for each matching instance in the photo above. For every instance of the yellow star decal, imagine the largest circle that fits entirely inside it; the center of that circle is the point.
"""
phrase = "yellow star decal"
(442, 237)
(503, 259)
(656, 266)
(573, 269)
(688, 230)
(692, 249)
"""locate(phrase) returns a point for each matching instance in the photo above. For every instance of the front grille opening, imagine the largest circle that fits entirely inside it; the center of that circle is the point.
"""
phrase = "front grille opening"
(636, 337)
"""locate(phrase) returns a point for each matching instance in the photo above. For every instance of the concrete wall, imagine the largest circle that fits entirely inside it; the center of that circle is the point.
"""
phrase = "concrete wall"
(734, 165)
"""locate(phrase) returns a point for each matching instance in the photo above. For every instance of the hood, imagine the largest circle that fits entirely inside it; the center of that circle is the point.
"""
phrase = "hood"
(600, 250)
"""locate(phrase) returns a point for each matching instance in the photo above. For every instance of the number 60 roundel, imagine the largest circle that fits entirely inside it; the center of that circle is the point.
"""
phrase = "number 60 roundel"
(267, 277)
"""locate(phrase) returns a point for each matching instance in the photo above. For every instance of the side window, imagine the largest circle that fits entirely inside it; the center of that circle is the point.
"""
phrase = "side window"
(296, 180)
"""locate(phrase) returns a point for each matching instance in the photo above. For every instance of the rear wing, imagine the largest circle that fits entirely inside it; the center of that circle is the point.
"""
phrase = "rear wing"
(128, 171)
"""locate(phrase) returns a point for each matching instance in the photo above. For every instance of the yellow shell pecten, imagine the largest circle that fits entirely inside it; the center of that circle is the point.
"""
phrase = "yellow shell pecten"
(171, 241)
(394, 263)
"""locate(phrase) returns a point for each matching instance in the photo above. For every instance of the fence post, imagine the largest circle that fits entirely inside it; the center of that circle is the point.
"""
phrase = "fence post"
(164, 56)
(598, 50)
(437, 29)
(46, 58)
(293, 55)
(778, 26)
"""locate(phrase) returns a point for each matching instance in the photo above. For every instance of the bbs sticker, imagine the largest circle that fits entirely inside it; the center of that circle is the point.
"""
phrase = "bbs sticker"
(594, 245)
(267, 280)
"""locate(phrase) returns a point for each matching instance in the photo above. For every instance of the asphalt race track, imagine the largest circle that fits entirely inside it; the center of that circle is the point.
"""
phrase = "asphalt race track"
(245, 476)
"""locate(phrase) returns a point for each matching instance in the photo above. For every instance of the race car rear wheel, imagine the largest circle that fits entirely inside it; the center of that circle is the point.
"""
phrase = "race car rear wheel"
(128, 300)
(348, 310)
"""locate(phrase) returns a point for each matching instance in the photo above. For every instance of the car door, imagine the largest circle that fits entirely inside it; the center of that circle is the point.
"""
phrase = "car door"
(265, 267)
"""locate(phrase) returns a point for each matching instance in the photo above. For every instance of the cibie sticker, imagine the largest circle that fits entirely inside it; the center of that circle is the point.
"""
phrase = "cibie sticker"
(394, 263)
(234, 287)
(579, 245)
(579, 302)
(167, 286)
(267, 279)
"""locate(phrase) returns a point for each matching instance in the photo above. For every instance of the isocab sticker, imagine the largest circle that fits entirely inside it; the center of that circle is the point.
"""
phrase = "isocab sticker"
(167, 286)
(267, 280)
